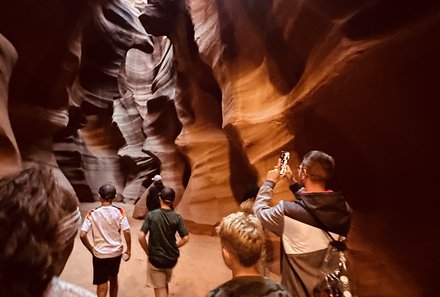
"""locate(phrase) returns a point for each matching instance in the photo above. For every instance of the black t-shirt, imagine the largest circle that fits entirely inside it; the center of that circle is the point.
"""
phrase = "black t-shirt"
(162, 224)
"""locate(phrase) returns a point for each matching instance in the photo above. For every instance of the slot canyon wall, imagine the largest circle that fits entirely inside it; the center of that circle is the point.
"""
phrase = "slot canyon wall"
(208, 92)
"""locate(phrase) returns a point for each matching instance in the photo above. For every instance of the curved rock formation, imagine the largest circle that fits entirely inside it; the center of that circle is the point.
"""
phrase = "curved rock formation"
(151, 80)
(9, 152)
(42, 76)
(208, 195)
(345, 78)
(233, 84)
(110, 31)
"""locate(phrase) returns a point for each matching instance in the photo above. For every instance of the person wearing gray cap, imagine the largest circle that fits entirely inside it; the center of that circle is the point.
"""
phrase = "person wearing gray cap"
(106, 222)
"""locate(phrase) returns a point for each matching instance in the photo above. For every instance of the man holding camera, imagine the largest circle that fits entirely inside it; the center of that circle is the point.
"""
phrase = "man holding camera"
(303, 241)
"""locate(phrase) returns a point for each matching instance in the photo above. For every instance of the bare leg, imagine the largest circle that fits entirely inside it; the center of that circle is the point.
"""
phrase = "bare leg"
(101, 289)
(161, 292)
(114, 286)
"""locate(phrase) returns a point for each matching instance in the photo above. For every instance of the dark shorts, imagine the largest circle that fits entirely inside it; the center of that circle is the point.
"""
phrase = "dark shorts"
(104, 269)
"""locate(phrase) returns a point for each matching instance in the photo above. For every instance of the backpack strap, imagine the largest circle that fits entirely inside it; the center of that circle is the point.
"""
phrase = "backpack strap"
(338, 244)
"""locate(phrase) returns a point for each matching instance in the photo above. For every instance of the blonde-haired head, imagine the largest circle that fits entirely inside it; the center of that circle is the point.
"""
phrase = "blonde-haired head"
(243, 236)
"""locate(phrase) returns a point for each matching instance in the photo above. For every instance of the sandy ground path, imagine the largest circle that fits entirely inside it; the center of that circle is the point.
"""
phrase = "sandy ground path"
(200, 267)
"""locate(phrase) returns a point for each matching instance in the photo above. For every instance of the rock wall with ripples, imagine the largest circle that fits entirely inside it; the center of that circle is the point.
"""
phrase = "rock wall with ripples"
(208, 92)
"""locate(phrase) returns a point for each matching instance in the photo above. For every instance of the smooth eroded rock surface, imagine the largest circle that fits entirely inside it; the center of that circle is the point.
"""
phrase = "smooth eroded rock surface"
(208, 92)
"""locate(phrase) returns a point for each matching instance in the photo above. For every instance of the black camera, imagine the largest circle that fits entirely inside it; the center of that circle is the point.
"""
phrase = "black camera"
(284, 156)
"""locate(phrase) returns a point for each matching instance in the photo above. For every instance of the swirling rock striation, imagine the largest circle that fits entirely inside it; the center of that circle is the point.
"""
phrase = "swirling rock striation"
(197, 102)
(9, 152)
(110, 31)
(234, 83)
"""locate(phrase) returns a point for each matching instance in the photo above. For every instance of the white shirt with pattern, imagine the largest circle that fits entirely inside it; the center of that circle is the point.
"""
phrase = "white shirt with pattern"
(106, 223)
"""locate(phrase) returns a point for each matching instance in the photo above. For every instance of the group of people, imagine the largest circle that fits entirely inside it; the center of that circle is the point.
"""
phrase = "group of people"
(242, 235)
(161, 225)
(300, 224)
(40, 220)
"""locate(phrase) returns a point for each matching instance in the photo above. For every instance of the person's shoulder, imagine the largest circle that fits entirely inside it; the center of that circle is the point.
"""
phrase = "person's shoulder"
(90, 212)
(274, 289)
(153, 213)
(61, 288)
(98, 208)
(249, 286)
(222, 290)
(120, 210)
(256, 286)
(174, 212)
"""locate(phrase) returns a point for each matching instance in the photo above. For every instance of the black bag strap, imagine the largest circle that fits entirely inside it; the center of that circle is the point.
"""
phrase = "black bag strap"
(339, 245)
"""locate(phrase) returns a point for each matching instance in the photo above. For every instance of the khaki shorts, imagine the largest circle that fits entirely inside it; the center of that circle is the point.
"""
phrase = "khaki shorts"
(158, 277)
